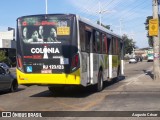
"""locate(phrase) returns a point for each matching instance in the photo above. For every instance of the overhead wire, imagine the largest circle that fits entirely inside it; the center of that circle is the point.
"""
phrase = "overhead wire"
(133, 21)
(113, 5)
(123, 14)
(135, 12)
(129, 14)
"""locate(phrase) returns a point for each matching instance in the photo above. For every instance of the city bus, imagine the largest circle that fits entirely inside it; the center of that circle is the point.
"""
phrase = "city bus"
(59, 50)
(150, 55)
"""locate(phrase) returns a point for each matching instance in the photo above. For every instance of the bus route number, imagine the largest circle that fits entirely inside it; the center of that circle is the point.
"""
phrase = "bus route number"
(53, 67)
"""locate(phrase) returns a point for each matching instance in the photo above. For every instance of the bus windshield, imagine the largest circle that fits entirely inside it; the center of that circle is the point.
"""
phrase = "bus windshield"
(44, 29)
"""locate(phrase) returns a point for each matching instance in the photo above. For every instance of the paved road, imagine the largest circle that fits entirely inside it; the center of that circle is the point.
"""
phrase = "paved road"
(129, 94)
(39, 98)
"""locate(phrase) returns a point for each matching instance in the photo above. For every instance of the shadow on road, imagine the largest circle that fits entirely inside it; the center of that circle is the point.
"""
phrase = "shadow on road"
(147, 72)
(7, 91)
(76, 91)
(72, 92)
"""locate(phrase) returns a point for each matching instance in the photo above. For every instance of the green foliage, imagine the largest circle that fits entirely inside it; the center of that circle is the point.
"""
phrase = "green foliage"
(2, 56)
(105, 26)
(129, 44)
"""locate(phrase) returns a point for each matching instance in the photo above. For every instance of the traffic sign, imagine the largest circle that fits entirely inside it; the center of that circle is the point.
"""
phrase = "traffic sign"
(153, 27)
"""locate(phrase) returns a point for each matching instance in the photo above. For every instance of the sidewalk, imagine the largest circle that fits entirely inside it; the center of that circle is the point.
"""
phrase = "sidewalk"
(147, 79)
(138, 93)
(143, 83)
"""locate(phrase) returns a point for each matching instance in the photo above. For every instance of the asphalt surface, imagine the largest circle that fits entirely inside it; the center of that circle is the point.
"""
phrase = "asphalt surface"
(136, 91)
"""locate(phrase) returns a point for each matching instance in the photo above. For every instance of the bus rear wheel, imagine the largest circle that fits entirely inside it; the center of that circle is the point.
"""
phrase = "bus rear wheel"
(100, 82)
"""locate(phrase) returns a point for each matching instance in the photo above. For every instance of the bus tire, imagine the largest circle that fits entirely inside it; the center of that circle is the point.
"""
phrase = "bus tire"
(118, 73)
(100, 82)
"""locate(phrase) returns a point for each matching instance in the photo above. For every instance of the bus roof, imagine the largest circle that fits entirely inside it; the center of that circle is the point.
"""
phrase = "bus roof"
(97, 26)
(43, 15)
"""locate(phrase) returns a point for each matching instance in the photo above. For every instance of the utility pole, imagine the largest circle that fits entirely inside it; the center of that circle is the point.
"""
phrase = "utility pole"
(156, 43)
(46, 2)
(132, 37)
(100, 12)
(9, 29)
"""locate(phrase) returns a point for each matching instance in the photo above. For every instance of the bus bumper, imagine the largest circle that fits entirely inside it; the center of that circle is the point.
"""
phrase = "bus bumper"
(48, 79)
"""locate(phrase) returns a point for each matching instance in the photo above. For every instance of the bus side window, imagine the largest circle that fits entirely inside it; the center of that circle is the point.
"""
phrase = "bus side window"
(104, 44)
(113, 46)
(94, 42)
(118, 46)
(82, 37)
(100, 44)
(87, 40)
(98, 36)
(109, 45)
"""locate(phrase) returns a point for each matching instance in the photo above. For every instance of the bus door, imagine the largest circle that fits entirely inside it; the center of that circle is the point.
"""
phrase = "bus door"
(88, 37)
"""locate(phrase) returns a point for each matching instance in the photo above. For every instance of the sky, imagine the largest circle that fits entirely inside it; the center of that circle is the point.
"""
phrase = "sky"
(124, 16)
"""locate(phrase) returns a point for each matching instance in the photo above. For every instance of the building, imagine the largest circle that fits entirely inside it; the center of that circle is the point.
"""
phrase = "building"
(8, 45)
(7, 39)
(141, 52)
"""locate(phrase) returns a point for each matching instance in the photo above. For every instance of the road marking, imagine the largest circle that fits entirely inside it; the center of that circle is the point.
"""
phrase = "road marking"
(93, 103)
(133, 79)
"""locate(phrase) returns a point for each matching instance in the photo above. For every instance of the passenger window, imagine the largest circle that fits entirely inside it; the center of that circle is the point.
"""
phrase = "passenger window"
(109, 46)
(98, 41)
(87, 40)
(82, 37)
(104, 44)
(114, 46)
(94, 43)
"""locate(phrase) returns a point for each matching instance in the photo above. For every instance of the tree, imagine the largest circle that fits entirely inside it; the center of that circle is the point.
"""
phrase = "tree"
(2, 56)
(105, 26)
(129, 44)
(150, 38)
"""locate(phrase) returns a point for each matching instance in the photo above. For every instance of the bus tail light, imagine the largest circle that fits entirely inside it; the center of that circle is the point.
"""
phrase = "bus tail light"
(75, 61)
(19, 63)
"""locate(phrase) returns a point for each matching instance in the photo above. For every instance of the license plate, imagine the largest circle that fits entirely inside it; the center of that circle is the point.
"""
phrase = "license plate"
(46, 71)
